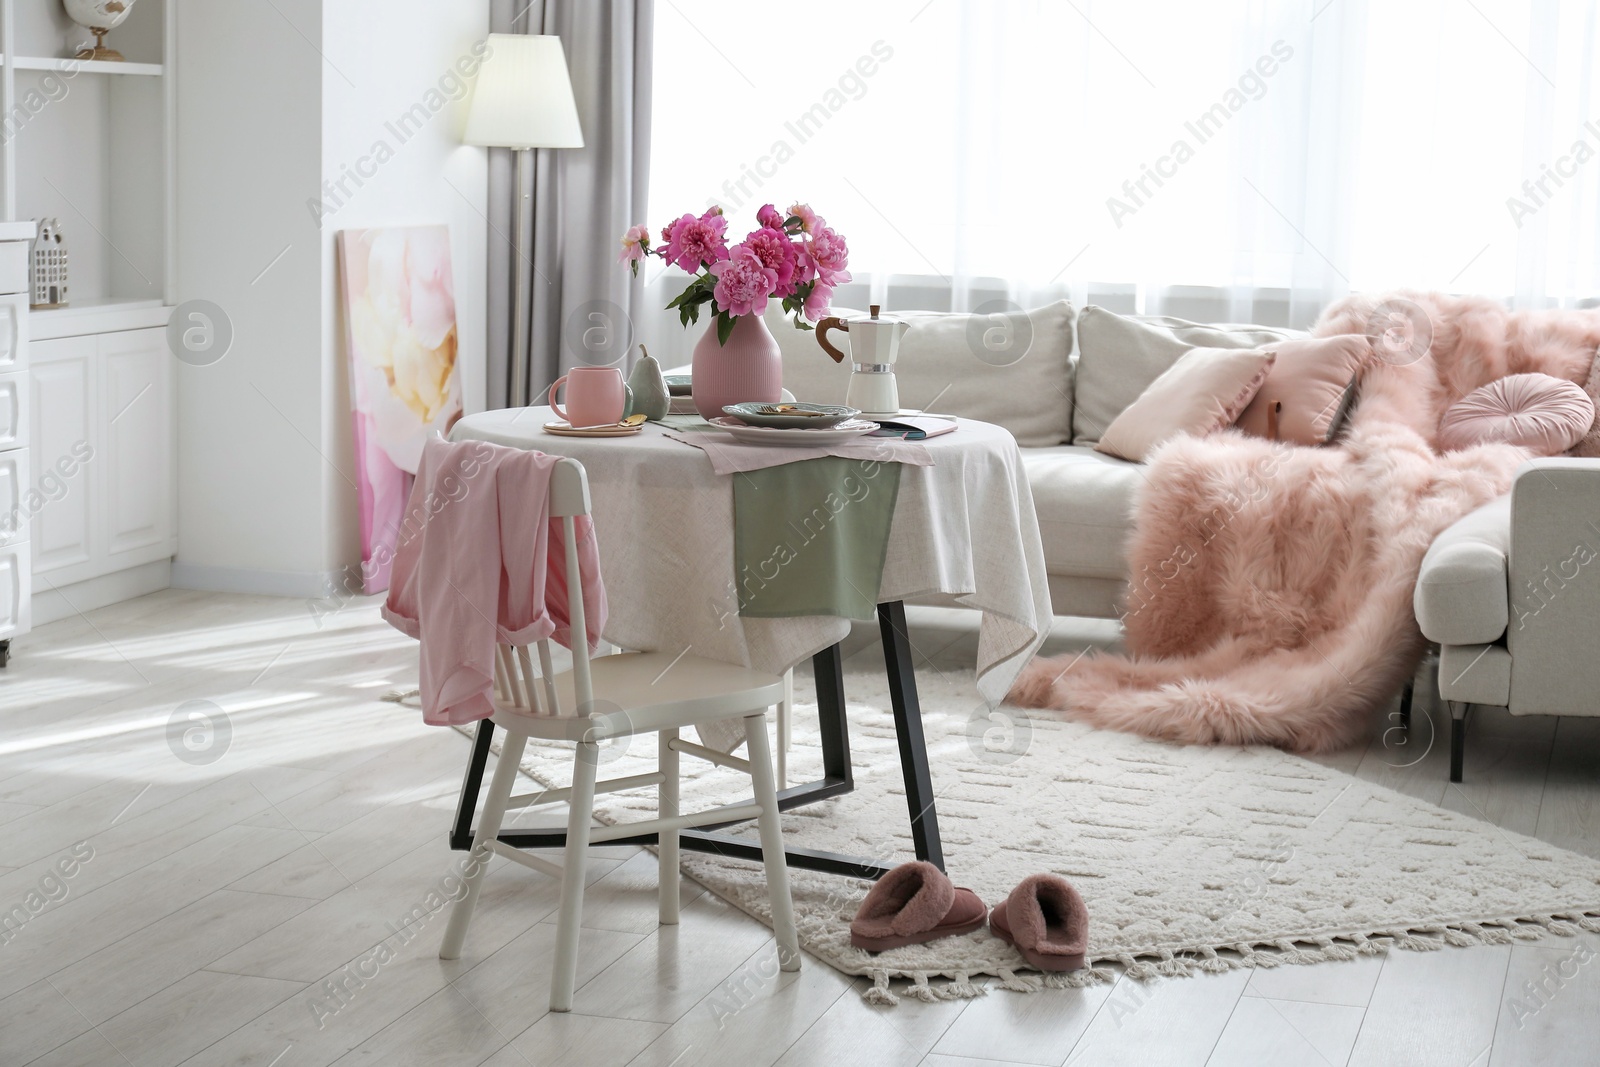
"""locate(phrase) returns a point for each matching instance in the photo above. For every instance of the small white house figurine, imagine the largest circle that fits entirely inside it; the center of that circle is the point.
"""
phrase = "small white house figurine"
(49, 274)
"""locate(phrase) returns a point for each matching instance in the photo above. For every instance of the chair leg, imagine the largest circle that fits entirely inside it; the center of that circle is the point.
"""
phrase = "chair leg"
(785, 726)
(1406, 698)
(667, 840)
(1458, 737)
(772, 854)
(579, 817)
(494, 813)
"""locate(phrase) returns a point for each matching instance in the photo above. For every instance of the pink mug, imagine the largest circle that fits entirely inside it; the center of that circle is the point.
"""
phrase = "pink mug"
(595, 396)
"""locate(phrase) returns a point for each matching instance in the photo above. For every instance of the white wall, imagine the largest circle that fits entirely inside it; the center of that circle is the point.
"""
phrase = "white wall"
(252, 506)
(273, 99)
(385, 65)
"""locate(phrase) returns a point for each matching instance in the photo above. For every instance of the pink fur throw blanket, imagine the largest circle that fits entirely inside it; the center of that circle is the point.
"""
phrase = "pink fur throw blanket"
(1270, 585)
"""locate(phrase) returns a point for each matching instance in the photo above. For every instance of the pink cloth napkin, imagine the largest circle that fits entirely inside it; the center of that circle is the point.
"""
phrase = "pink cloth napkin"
(730, 457)
(479, 560)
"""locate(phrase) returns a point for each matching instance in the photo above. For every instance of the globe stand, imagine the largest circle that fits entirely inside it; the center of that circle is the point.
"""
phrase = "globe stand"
(99, 51)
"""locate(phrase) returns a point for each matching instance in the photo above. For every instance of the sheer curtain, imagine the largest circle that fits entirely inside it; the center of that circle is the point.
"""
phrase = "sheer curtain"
(1239, 159)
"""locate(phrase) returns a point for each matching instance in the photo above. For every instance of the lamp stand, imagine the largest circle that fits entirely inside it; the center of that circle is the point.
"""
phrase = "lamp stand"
(519, 323)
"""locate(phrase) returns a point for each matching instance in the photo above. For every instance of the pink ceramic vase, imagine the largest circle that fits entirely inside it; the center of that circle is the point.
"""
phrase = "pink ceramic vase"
(748, 367)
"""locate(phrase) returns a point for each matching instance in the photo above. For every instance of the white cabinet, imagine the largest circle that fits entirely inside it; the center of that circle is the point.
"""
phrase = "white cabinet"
(103, 437)
(15, 432)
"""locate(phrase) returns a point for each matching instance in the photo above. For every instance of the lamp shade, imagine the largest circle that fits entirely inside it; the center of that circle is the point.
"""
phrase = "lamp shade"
(523, 97)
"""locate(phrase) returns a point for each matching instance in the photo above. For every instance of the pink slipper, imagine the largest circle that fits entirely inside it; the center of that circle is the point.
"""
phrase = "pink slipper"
(1045, 918)
(911, 904)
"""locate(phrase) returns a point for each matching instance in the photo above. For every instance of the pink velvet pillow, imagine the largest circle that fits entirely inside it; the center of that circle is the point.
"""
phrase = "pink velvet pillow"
(1310, 378)
(1537, 411)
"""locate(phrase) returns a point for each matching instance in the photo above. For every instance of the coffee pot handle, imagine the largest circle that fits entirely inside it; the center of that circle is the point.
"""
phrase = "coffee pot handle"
(832, 322)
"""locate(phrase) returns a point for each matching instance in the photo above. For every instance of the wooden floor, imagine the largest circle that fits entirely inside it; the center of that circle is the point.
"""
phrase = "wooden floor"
(254, 890)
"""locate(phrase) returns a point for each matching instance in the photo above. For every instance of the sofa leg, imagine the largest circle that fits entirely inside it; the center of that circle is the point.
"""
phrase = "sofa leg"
(1405, 704)
(1458, 737)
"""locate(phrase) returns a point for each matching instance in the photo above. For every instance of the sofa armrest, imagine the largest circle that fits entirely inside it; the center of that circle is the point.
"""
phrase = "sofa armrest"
(1460, 597)
(1553, 630)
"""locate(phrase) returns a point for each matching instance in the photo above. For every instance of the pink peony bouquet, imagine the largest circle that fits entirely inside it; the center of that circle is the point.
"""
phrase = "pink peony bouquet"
(795, 257)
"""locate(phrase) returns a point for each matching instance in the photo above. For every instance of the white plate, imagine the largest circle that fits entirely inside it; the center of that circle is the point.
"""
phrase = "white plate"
(766, 435)
(565, 429)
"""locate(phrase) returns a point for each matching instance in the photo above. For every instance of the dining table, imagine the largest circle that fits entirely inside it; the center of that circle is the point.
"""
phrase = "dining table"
(962, 533)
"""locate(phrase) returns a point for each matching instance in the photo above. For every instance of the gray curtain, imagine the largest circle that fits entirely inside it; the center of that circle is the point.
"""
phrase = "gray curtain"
(582, 302)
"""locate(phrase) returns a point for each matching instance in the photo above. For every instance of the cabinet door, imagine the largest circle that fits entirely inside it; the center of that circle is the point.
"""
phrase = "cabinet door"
(136, 403)
(13, 332)
(64, 405)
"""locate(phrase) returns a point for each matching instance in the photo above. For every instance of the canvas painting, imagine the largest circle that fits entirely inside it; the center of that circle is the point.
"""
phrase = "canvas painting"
(400, 327)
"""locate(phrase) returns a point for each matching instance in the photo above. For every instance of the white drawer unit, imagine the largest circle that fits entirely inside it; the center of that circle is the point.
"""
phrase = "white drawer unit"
(17, 495)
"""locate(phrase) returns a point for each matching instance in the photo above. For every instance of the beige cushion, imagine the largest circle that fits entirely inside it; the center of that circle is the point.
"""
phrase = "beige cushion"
(1539, 412)
(1119, 356)
(1014, 371)
(1310, 379)
(1201, 393)
(1084, 501)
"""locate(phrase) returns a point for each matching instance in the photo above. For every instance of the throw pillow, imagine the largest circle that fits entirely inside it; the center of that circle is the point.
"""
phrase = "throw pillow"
(1588, 447)
(1201, 393)
(1313, 380)
(1119, 356)
(1013, 370)
(1542, 413)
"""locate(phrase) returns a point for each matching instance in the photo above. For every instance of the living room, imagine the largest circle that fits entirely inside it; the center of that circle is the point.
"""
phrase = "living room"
(1104, 497)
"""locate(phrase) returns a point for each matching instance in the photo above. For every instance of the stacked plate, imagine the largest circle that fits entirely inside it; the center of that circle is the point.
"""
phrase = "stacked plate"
(792, 424)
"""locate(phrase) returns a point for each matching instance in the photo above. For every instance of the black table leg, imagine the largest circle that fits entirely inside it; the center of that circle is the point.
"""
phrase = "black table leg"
(837, 776)
(908, 731)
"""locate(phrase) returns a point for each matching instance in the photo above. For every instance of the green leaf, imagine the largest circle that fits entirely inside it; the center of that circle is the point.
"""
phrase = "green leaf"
(683, 316)
(694, 313)
(724, 327)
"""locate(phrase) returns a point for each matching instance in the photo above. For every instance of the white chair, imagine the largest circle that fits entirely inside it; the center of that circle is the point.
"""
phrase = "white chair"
(609, 697)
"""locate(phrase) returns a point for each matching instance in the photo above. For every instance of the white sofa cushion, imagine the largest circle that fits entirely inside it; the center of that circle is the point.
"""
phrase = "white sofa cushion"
(1013, 371)
(1119, 356)
(1084, 500)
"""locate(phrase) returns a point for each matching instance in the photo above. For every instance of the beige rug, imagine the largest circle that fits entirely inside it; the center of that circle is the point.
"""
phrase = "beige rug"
(1189, 858)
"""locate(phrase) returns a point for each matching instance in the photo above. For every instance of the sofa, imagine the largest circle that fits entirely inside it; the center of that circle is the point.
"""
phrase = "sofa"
(1055, 377)
(1515, 582)
(1511, 595)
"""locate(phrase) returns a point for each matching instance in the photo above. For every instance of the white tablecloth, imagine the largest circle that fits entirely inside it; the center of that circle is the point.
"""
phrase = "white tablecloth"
(964, 534)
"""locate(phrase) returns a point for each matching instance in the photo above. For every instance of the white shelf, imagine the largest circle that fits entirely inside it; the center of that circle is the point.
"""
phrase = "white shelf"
(97, 316)
(84, 66)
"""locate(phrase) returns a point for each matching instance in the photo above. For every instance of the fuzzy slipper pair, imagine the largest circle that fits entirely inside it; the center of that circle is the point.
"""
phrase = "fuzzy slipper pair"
(1044, 917)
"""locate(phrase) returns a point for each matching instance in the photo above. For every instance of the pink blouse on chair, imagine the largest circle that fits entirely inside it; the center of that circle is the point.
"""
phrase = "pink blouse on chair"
(478, 561)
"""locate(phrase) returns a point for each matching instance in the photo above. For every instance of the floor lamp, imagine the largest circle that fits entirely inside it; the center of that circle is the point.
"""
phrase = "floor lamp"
(522, 101)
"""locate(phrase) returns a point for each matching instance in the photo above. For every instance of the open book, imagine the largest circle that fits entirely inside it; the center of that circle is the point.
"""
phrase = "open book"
(914, 427)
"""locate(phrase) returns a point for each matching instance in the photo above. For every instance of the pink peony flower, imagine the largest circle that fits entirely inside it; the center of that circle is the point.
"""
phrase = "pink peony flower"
(818, 302)
(774, 249)
(635, 243)
(808, 218)
(743, 282)
(831, 255)
(769, 217)
(692, 242)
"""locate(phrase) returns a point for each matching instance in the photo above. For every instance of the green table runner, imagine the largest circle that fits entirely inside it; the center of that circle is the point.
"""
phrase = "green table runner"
(810, 537)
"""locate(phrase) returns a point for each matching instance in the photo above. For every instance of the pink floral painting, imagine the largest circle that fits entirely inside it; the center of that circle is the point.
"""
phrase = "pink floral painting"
(400, 327)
